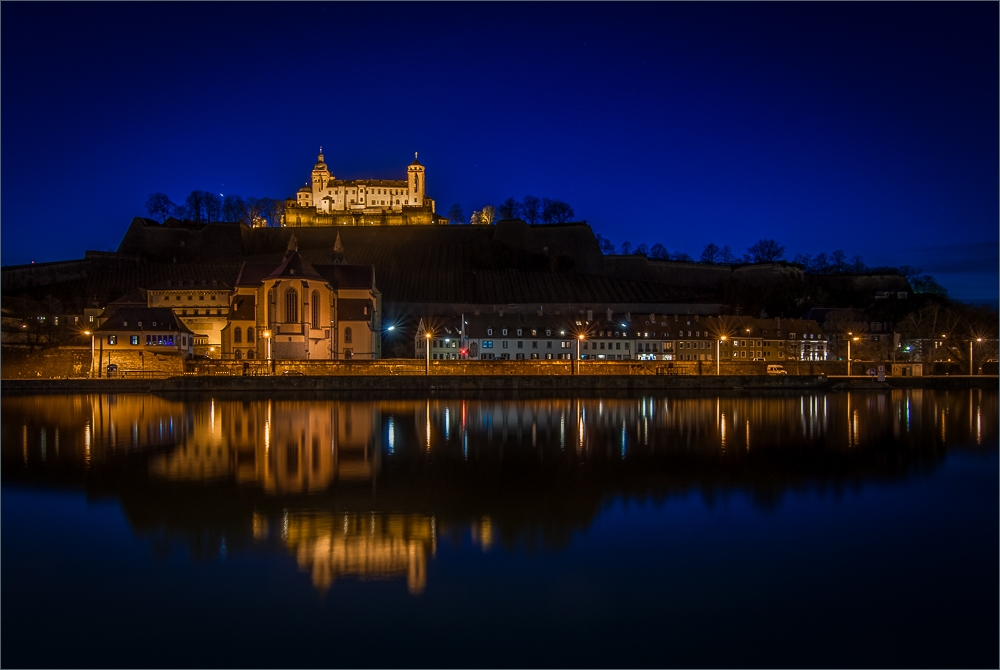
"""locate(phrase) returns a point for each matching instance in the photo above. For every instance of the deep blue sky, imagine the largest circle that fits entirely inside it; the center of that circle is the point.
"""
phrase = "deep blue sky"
(871, 128)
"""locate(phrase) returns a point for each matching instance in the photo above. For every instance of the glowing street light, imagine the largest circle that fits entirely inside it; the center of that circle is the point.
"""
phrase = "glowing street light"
(718, 360)
(978, 339)
(427, 351)
(849, 351)
(579, 339)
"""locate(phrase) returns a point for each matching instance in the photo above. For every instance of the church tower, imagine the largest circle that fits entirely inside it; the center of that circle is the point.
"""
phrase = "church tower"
(416, 182)
(320, 176)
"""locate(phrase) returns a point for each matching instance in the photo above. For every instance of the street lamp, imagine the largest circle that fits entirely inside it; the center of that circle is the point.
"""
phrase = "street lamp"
(579, 339)
(849, 352)
(267, 336)
(978, 339)
(718, 360)
(427, 351)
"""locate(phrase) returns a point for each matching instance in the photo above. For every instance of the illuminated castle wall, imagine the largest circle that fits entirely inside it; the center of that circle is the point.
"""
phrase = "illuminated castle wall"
(328, 201)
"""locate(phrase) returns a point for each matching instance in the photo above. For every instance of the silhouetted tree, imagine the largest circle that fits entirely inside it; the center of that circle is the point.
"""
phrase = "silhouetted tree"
(641, 250)
(271, 211)
(455, 214)
(531, 208)
(606, 245)
(803, 259)
(726, 255)
(626, 248)
(159, 206)
(857, 263)
(820, 264)
(765, 251)
(659, 252)
(711, 253)
(509, 209)
(213, 206)
(194, 205)
(556, 211)
(839, 259)
(681, 256)
(232, 209)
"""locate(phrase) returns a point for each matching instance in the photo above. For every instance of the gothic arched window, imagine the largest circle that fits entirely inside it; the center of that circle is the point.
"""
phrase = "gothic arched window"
(239, 354)
(315, 309)
(291, 306)
(237, 335)
(347, 335)
(249, 334)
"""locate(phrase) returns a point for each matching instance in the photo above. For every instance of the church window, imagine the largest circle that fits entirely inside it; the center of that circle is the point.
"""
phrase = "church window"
(249, 334)
(348, 335)
(315, 309)
(291, 305)
(237, 335)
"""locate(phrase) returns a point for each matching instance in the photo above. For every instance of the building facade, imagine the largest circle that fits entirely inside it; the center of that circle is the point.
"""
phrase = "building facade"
(298, 311)
(328, 201)
(620, 337)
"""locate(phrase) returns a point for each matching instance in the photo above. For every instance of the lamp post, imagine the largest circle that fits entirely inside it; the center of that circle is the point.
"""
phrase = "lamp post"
(267, 338)
(978, 339)
(427, 353)
(718, 359)
(579, 339)
(850, 337)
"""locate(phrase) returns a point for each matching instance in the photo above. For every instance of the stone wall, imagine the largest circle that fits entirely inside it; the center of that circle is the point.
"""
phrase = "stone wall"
(75, 362)
(44, 363)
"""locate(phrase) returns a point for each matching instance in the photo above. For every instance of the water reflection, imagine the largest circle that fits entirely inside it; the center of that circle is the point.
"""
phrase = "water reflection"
(362, 490)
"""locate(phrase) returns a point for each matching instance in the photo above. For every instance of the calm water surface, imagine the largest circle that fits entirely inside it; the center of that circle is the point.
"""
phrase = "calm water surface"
(819, 529)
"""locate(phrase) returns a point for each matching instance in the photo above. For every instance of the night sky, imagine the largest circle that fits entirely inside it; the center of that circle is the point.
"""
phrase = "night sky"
(871, 128)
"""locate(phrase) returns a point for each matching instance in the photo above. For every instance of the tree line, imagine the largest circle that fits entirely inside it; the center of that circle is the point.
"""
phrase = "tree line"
(205, 207)
(530, 209)
(770, 251)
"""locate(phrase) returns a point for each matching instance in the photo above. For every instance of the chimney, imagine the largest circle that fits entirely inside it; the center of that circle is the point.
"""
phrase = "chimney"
(590, 315)
(610, 313)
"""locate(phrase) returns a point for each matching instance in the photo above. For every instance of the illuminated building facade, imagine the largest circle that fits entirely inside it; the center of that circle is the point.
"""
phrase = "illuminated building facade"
(298, 311)
(328, 201)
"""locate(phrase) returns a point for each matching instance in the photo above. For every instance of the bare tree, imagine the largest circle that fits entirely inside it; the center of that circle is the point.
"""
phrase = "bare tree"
(765, 251)
(641, 250)
(509, 209)
(711, 253)
(726, 255)
(213, 206)
(271, 211)
(195, 206)
(475, 218)
(232, 209)
(455, 214)
(488, 216)
(159, 206)
(857, 263)
(556, 211)
(659, 252)
(626, 248)
(682, 256)
(839, 260)
(531, 208)
(606, 245)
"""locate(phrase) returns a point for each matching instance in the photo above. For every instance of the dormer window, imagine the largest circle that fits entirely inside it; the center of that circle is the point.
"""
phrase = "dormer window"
(489, 331)
(504, 331)
(518, 331)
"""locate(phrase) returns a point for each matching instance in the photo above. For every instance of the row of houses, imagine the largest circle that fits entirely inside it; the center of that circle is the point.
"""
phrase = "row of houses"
(614, 336)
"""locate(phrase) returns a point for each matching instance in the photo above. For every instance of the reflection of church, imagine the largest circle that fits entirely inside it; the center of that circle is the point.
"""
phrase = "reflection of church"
(282, 446)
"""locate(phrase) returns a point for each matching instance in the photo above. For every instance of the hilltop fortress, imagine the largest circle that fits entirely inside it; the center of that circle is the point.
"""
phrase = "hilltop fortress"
(328, 201)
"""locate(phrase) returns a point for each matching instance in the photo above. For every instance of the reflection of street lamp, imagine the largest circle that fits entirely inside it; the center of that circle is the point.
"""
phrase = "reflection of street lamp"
(427, 352)
(718, 360)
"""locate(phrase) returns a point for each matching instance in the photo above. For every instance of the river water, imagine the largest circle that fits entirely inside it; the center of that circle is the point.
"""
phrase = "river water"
(806, 529)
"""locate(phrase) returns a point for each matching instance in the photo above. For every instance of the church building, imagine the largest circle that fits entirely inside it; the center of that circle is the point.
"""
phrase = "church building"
(294, 310)
(328, 201)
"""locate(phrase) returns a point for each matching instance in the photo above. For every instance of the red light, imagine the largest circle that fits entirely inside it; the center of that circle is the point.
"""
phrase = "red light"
(464, 351)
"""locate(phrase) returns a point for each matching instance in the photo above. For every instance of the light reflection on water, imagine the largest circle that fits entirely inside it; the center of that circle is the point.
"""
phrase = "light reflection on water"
(374, 491)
